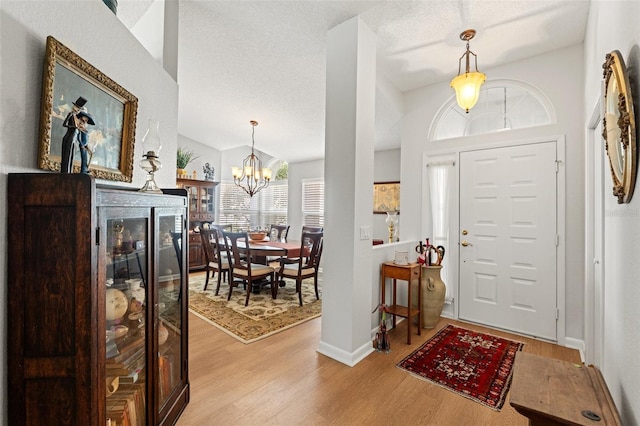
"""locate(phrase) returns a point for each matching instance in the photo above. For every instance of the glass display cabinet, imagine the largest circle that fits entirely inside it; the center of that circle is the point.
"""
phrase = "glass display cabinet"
(99, 271)
(202, 208)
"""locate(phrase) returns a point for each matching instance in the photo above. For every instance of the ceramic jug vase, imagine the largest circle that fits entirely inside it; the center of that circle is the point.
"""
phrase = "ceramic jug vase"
(433, 292)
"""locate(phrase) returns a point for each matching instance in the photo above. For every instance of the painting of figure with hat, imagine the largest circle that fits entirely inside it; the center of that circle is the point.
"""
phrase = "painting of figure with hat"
(71, 123)
(83, 118)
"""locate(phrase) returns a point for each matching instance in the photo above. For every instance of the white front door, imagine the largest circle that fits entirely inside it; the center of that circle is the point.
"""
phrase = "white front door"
(508, 238)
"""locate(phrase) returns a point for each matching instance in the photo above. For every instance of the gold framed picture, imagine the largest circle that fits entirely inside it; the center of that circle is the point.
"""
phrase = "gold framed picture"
(386, 197)
(73, 86)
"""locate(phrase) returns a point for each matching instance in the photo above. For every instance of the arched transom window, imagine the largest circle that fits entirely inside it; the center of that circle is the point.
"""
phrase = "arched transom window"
(502, 105)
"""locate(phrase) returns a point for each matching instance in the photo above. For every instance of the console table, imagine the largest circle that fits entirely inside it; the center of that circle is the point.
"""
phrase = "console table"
(552, 392)
(406, 273)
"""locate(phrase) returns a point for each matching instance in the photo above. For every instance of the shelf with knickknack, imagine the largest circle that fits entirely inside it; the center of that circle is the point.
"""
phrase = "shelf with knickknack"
(100, 333)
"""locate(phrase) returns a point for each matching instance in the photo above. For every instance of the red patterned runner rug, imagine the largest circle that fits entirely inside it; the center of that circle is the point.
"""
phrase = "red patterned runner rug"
(475, 365)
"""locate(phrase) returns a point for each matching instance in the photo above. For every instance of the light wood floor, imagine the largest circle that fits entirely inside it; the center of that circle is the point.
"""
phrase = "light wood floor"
(282, 380)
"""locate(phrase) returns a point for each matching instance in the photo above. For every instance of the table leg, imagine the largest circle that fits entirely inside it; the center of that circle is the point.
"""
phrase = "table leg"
(394, 302)
(409, 307)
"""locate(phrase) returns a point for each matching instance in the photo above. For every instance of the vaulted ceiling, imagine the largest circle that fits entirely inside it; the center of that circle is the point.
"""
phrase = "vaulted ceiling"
(265, 60)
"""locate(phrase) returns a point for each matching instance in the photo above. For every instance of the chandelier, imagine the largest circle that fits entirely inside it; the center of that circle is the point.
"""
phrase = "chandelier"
(467, 85)
(251, 177)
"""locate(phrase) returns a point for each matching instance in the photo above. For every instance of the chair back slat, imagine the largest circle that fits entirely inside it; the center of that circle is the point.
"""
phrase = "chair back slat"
(207, 245)
(306, 228)
(278, 232)
(233, 251)
(211, 245)
(311, 244)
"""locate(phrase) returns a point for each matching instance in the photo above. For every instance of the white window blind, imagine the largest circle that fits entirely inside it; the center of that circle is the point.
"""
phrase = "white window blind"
(313, 202)
(274, 201)
(237, 208)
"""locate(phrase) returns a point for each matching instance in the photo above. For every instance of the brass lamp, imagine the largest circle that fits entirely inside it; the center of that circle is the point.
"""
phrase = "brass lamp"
(467, 85)
(251, 177)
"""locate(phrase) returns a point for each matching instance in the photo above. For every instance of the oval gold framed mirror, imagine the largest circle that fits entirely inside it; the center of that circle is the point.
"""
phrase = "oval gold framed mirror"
(618, 127)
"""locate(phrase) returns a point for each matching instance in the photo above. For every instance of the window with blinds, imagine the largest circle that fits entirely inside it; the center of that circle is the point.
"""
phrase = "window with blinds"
(269, 206)
(313, 202)
(237, 208)
(274, 201)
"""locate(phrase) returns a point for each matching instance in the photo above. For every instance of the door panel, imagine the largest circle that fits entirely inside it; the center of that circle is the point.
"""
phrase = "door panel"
(508, 258)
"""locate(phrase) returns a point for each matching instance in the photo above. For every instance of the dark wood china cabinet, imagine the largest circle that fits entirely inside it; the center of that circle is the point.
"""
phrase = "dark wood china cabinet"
(97, 303)
(202, 209)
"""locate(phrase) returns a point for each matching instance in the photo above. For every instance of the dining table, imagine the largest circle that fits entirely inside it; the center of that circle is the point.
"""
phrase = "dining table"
(262, 250)
(265, 248)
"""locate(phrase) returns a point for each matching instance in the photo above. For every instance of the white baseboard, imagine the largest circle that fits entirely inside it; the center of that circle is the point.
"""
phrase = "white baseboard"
(348, 358)
(577, 344)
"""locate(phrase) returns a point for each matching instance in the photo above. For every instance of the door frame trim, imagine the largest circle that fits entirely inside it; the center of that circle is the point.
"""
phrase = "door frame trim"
(560, 141)
(593, 300)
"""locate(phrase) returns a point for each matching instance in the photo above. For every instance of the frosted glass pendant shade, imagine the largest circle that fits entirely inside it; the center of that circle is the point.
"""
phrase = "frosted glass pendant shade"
(467, 87)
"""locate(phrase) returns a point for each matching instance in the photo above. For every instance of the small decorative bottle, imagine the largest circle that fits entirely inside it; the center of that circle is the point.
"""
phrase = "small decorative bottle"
(135, 290)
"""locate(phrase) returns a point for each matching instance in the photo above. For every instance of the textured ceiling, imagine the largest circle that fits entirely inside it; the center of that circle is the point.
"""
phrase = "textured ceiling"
(265, 60)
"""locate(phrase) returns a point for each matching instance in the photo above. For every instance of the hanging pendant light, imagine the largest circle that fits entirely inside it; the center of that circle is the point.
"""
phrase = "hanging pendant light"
(251, 177)
(467, 85)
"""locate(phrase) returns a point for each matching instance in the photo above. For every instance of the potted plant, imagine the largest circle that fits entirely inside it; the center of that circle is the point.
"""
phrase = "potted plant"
(184, 157)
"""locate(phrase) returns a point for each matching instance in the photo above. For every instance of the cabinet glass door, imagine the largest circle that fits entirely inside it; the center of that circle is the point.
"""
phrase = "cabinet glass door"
(171, 304)
(193, 198)
(210, 201)
(124, 268)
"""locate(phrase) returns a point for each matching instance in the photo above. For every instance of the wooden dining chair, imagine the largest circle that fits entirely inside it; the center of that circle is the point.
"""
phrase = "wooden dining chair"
(306, 228)
(278, 232)
(216, 259)
(305, 266)
(244, 269)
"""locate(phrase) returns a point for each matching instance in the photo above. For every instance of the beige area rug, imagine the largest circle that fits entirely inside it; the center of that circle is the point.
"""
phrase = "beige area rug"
(263, 317)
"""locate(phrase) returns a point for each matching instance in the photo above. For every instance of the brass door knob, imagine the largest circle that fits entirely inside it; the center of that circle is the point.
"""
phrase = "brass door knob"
(465, 243)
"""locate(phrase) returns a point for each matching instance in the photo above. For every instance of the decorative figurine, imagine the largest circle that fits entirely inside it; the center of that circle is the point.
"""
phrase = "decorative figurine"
(71, 123)
(83, 118)
(209, 172)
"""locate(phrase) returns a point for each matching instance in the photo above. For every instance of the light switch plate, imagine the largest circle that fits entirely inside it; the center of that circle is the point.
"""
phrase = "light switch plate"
(365, 232)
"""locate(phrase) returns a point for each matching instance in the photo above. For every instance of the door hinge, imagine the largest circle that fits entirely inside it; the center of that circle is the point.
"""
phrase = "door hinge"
(98, 236)
(557, 165)
(557, 240)
(557, 313)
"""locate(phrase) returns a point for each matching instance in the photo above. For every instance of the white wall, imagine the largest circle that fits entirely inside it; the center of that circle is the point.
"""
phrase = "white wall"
(94, 33)
(613, 26)
(206, 154)
(564, 90)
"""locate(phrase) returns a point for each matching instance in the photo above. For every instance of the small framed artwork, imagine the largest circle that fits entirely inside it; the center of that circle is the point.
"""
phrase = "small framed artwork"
(74, 88)
(386, 197)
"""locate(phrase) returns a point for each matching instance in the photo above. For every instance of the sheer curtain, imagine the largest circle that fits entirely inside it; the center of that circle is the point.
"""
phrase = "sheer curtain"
(439, 175)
